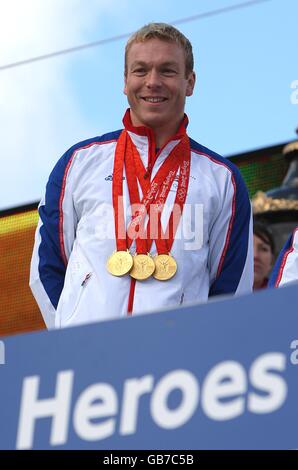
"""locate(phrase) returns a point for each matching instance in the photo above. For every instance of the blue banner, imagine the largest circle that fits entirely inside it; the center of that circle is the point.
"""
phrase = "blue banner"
(223, 375)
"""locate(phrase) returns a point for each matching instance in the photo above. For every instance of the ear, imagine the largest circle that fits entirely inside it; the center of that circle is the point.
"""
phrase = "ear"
(125, 84)
(191, 80)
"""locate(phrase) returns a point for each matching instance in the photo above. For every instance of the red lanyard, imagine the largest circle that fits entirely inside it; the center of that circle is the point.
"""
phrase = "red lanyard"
(154, 195)
(179, 159)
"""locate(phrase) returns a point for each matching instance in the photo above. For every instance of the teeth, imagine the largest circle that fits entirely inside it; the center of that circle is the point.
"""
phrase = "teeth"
(154, 100)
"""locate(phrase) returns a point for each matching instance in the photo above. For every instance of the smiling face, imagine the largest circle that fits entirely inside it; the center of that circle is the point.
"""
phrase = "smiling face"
(263, 259)
(156, 85)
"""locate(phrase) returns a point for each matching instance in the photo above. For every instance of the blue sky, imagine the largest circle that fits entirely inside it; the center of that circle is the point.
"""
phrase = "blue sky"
(245, 60)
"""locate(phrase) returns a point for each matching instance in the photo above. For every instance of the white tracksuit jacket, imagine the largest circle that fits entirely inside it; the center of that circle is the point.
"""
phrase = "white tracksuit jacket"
(75, 235)
(285, 270)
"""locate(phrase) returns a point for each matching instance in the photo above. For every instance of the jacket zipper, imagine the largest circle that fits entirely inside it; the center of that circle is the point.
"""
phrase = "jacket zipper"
(83, 285)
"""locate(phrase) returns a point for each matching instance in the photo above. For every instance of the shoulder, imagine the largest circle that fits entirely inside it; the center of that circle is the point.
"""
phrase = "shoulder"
(213, 157)
(285, 268)
(216, 160)
(99, 140)
(63, 164)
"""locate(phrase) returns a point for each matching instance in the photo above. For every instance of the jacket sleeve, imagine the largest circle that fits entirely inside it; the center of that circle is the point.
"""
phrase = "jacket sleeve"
(231, 240)
(285, 270)
(53, 240)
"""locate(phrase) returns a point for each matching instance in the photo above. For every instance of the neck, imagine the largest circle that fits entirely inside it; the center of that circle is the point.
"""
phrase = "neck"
(163, 135)
(259, 284)
(162, 132)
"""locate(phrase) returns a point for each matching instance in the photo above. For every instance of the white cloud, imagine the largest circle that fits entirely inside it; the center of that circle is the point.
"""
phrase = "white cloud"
(38, 107)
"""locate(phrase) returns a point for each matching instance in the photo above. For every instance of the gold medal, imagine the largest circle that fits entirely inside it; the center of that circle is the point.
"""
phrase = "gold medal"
(165, 267)
(143, 267)
(119, 263)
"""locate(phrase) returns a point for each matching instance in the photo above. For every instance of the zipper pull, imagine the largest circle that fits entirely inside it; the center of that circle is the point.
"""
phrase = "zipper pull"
(86, 279)
(148, 172)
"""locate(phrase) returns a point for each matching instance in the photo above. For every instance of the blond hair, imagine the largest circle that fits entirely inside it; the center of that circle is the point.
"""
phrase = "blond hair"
(165, 32)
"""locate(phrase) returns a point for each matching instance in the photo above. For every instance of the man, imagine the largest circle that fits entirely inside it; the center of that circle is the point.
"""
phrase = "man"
(285, 270)
(82, 271)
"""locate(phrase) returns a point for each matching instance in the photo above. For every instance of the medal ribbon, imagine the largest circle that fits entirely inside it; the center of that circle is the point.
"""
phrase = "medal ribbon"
(179, 158)
(154, 192)
(134, 196)
(117, 193)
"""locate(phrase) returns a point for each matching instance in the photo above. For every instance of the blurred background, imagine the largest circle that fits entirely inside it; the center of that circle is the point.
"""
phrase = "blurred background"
(61, 81)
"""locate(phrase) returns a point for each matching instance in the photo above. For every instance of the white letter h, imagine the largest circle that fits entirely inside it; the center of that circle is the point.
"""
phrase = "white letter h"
(57, 407)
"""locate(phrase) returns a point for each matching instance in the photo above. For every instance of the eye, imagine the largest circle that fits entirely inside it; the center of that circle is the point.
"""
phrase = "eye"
(169, 72)
(139, 71)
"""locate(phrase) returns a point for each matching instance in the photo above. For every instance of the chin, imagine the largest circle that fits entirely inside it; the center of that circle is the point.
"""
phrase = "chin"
(154, 121)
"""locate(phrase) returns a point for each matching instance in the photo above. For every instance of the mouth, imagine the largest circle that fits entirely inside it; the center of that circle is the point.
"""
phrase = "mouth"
(258, 267)
(154, 99)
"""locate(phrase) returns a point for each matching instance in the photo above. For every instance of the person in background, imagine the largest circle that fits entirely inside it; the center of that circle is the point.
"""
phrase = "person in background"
(285, 270)
(263, 255)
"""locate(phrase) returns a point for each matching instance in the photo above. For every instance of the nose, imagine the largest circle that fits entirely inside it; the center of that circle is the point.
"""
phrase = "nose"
(153, 79)
(257, 257)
